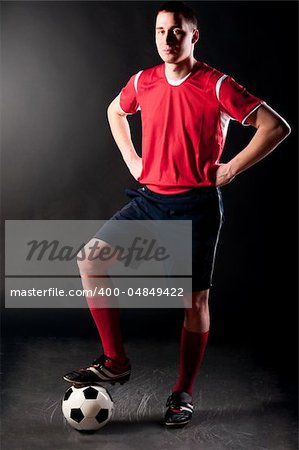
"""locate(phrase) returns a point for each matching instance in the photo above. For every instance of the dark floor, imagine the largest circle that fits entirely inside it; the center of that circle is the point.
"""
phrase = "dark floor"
(239, 404)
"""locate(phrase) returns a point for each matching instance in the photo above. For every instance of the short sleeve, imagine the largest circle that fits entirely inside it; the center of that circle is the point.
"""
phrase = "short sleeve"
(128, 97)
(236, 101)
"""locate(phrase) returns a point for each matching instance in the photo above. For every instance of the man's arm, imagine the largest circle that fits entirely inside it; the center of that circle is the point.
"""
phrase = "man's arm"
(271, 130)
(120, 129)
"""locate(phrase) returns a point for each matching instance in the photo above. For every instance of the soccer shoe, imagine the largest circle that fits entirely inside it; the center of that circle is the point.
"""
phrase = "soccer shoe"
(180, 409)
(103, 369)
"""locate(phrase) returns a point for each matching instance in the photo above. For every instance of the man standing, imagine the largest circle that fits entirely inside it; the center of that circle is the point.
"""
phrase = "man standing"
(186, 107)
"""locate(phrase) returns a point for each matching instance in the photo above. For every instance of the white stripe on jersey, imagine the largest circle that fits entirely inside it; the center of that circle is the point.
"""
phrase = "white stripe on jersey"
(136, 85)
(224, 123)
(136, 80)
(224, 117)
(218, 85)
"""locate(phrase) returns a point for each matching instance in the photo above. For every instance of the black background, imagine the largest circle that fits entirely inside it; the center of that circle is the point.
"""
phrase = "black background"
(62, 63)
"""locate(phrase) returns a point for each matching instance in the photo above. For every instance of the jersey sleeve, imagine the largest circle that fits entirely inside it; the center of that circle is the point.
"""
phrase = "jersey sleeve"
(236, 101)
(128, 97)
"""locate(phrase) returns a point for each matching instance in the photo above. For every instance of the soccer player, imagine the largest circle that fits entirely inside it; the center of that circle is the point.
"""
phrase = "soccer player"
(186, 107)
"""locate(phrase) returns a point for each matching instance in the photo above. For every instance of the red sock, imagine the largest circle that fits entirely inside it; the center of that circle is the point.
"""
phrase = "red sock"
(192, 348)
(107, 321)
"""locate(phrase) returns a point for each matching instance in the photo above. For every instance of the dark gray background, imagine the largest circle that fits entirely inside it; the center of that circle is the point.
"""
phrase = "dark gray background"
(62, 63)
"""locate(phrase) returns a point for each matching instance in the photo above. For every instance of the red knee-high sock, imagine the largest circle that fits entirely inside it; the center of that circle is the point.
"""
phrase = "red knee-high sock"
(192, 348)
(107, 321)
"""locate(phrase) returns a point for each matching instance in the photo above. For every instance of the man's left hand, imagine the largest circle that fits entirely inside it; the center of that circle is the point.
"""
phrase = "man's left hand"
(223, 175)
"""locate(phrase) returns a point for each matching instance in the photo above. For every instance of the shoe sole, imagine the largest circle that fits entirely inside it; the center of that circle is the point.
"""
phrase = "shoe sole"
(99, 382)
(176, 425)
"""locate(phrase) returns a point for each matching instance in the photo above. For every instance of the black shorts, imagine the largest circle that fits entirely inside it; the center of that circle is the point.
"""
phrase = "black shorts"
(202, 205)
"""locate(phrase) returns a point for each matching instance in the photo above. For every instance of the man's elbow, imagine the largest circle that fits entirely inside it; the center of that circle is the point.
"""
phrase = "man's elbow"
(111, 113)
(283, 129)
(271, 121)
(110, 109)
(114, 109)
(280, 127)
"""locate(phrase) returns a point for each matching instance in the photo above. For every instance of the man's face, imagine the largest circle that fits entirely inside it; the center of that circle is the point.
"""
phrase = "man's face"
(175, 37)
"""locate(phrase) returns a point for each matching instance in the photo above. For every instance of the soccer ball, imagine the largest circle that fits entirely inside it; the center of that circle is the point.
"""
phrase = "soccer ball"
(87, 408)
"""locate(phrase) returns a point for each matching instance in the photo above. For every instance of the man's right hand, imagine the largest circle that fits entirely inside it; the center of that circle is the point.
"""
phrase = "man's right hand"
(135, 167)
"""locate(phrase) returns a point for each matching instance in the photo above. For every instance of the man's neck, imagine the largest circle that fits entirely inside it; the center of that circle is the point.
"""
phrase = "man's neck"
(179, 70)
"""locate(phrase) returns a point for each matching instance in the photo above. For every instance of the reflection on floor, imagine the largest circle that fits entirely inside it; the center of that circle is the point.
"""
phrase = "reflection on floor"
(238, 403)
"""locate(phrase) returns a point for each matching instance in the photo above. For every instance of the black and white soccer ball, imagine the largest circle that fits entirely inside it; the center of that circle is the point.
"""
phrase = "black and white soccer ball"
(87, 408)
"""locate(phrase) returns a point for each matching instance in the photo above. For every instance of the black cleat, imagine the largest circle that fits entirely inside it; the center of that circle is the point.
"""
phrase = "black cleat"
(180, 409)
(99, 372)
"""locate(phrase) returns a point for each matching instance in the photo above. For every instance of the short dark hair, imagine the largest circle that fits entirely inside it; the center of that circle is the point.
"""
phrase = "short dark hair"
(180, 8)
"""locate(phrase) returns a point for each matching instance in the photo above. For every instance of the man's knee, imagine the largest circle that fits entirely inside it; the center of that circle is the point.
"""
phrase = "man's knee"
(89, 258)
(200, 303)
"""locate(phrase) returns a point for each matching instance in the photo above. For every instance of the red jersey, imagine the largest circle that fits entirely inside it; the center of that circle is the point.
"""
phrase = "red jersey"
(184, 124)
